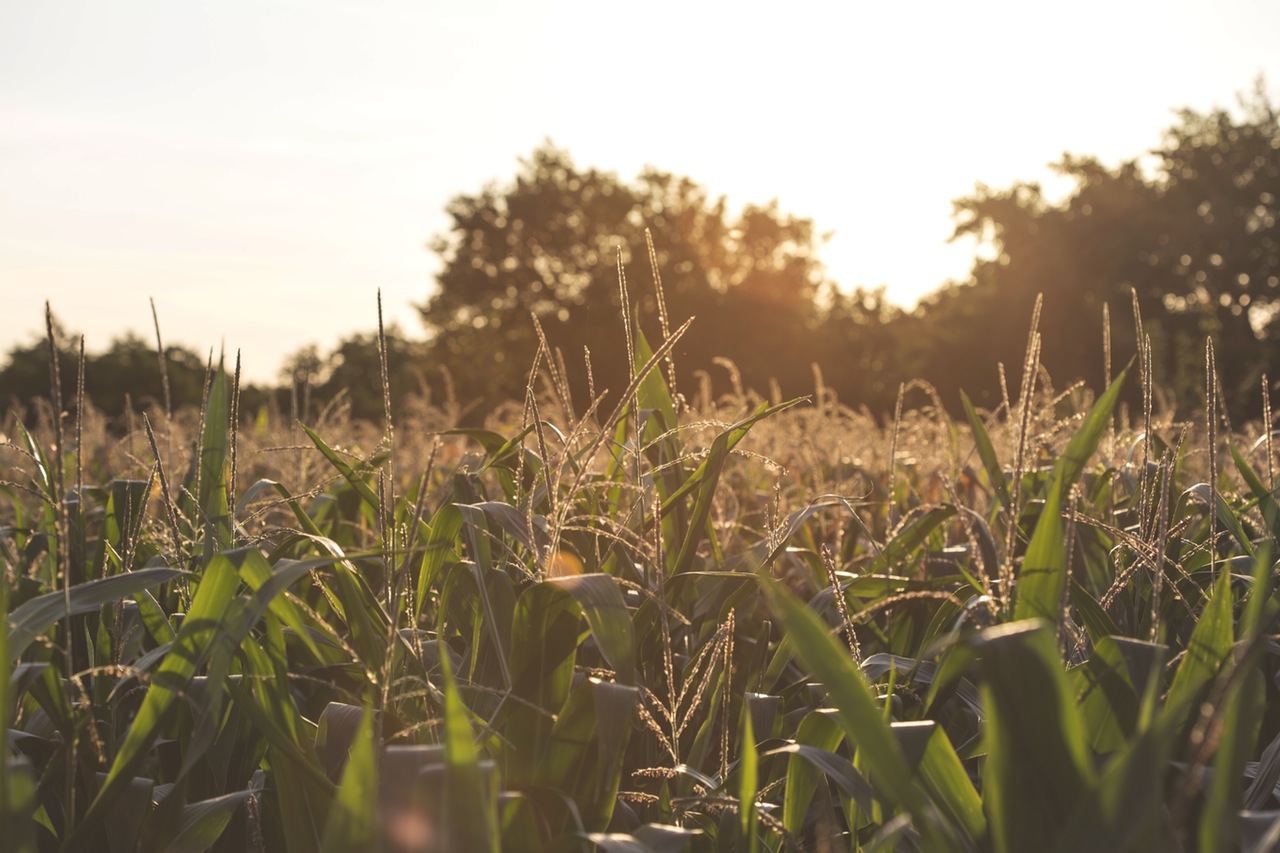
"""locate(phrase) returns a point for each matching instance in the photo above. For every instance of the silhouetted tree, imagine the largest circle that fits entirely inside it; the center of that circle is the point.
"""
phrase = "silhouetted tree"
(1192, 230)
(861, 348)
(129, 370)
(547, 244)
(354, 368)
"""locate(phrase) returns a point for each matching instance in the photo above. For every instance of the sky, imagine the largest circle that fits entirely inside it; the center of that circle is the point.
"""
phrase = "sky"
(261, 168)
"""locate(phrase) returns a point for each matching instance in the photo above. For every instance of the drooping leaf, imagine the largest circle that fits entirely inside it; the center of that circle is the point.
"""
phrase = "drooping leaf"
(606, 613)
(203, 822)
(37, 615)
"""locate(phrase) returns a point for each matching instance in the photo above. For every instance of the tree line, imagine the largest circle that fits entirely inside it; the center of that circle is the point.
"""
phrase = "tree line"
(1187, 233)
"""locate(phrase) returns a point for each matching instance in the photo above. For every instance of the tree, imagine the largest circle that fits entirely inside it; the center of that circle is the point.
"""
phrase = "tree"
(548, 243)
(1192, 231)
(127, 371)
(354, 368)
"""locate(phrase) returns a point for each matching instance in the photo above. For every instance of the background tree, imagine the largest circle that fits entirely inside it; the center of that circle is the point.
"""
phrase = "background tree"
(1191, 229)
(547, 245)
(128, 372)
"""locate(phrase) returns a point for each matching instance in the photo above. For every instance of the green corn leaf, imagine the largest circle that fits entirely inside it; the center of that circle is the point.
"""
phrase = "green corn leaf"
(732, 437)
(909, 539)
(499, 450)
(336, 732)
(241, 617)
(300, 791)
(1085, 441)
(472, 821)
(1096, 621)
(939, 770)
(1265, 497)
(439, 545)
(987, 453)
(203, 823)
(257, 573)
(1260, 609)
(365, 617)
(200, 636)
(615, 709)
(1108, 702)
(356, 481)
(1241, 714)
(153, 618)
(37, 615)
(804, 765)
(1044, 567)
(1228, 517)
(653, 394)
(125, 511)
(707, 477)
(546, 621)
(352, 825)
(355, 603)
(1127, 798)
(606, 613)
(1037, 766)
(214, 455)
(44, 478)
(857, 711)
(1207, 651)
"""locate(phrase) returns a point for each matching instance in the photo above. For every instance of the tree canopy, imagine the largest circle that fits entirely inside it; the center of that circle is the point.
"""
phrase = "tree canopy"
(1190, 229)
(548, 243)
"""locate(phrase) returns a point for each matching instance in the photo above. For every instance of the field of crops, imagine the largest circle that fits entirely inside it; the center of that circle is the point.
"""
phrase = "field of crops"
(643, 625)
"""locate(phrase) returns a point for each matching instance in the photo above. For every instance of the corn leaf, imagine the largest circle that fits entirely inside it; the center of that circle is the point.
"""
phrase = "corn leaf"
(352, 824)
(1037, 766)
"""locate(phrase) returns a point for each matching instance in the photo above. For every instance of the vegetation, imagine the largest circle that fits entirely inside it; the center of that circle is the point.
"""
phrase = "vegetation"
(640, 606)
(1191, 229)
(636, 624)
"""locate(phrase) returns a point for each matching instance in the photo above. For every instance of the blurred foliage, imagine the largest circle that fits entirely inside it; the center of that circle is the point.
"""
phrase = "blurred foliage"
(127, 376)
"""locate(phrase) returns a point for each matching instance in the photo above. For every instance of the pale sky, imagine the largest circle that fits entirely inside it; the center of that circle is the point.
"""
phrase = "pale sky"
(262, 167)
